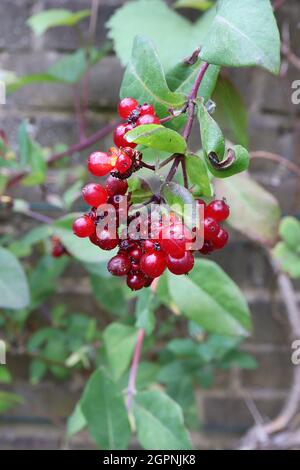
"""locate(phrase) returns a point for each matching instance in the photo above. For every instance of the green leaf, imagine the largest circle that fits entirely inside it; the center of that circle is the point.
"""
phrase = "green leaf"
(198, 175)
(289, 231)
(12, 281)
(157, 137)
(8, 401)
(31, 79)
(182, 77)
(110, 293)
(41, 22)
(144, 311)
(81, 248)
(210, 298)
(76, 422)
(182, 391)
(119, 341)
(103, 407)
(145, 81)
(243, 34)
(5, 375)
(174, 36)
(139, 189)
(211, 135)
(159, 422)
(201, 5)
(31, 157)
(253, 211)
(231, 111)
(239, 359)
(180, 200)
(288, 259)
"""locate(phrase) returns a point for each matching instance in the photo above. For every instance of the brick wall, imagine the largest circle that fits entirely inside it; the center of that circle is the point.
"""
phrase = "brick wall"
(274, 126)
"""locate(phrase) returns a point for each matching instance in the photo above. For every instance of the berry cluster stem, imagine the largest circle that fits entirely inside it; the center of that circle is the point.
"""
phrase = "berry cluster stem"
(134, 368)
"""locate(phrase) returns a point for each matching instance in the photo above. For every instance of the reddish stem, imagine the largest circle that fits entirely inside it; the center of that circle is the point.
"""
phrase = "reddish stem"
(134, 368)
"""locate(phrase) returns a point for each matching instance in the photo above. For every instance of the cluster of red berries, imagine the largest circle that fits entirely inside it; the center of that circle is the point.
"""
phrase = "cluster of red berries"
(135, 115)
(57, 248)
(215, 237)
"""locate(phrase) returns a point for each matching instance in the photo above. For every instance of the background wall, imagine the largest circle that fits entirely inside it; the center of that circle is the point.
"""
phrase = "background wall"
(274, 126)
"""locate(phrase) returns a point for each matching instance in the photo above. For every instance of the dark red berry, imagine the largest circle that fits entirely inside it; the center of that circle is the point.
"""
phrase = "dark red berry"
(211, 228)
(106, 239)
(136, 281)
(146, 108)
(149, 246)
(148, 281)
(94, 194)
(115, 186)
(119, 265)
(123, 163)
(83, 226)
(99, 163)
(58, 248)
(147, 119)
(135, 253)
(221, 240)
(153, 264)
(207, 248)
(119, 136)
(175, 239)
(126, 106)
(182, 265)
(218, 210)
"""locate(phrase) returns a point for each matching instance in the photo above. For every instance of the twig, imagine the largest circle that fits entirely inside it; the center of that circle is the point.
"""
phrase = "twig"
(278, 159)
(174, 167)
(134, 368)
(38, 216)
(184, 172)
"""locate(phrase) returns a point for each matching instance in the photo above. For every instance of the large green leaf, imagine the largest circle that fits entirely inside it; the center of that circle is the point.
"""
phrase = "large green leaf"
(198, 175)
(81, 248)
(174, 36)
(42, 21)
(253, 211)
(210, 298)
(103, 407)
(231, 111)
(144, 79)
(243, 33)
(159, 422)
(76, 422)
(119, 341)
(14, 292)
(157, 137)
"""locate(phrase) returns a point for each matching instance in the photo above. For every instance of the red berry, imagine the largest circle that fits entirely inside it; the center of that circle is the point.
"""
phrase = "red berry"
(119, 265)
(115, 186)
(207, 248)
(218, 210)
(146, 108)
(174, 240)
(148, 119)
(136, 281)
(119, 136)
(211, 228)
(135, 253)
(126, 106)
(149, 246)
(105, 239)
(221, 240)
(99, 163)
(153, 264)
(83, 226)
(94, 194)
(58, 248)
(182, 265)
(148, 281)
(123, 163)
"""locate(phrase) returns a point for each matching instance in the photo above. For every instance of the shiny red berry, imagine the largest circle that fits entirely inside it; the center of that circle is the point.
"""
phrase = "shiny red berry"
(218, 210)
(136, 281)
(115, 186)
(135, 253)
(94, 194)
(207, 247)
(123, 163)
(126, 106)
(99, 163)
(146, 108)
(106, 239)
(182, 265)
(83, 226)
(211, 228)
(119, 136)
(149, 246)
(153, 264)
(148, 119)
(221, 240)
(119, 265)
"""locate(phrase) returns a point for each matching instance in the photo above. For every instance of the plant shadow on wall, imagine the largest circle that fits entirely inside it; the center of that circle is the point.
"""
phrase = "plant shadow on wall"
(144, 379)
